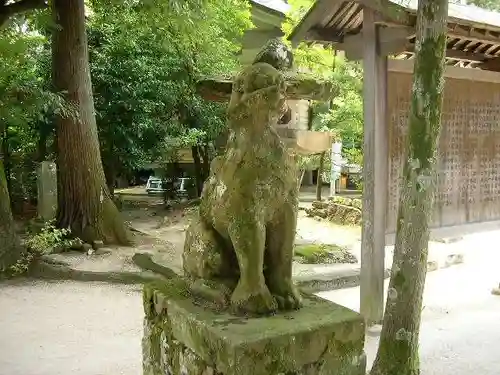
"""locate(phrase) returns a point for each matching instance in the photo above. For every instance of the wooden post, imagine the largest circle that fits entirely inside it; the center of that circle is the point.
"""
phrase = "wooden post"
(375, 160)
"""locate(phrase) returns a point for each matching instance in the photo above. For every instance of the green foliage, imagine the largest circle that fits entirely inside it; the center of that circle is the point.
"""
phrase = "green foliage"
(308, 162)
(47, 240)
(146, 57)
(26, 104)
(355, 156)
(51, 239)
(314, 58)
(145, 62)
(344, 113)
(19, 268)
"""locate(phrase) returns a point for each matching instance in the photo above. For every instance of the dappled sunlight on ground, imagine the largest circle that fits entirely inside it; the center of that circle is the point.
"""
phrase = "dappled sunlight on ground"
(95, 329)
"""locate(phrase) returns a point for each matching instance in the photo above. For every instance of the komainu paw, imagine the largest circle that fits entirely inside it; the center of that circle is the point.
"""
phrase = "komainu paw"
(288, 297)
(249, 300)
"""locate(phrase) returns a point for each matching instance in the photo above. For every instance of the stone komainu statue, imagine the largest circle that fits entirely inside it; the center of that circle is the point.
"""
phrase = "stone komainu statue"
(239, 248)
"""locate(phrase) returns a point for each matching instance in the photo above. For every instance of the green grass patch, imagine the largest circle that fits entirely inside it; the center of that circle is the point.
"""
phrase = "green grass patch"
(323, 253)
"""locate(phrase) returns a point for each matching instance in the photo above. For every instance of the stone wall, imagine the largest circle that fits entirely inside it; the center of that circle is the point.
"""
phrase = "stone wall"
(184, 337)
(469, 150)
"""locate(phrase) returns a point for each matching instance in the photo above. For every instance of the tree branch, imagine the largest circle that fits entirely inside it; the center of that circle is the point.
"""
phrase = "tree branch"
(22, 6)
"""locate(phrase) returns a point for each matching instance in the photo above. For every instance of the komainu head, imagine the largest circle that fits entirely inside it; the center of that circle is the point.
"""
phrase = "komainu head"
(275, 53)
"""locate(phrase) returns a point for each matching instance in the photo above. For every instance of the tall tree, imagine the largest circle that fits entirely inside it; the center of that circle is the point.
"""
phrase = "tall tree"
(10, 246)
(85, 203)
(12, 92)
(135, 115)
(398, 350)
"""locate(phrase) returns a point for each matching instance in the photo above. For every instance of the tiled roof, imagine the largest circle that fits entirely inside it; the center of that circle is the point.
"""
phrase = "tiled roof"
(463, 12)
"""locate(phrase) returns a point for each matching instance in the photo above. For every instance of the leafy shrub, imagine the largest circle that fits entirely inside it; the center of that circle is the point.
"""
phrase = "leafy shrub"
(20, 267)
(51, 240)
(40, 241)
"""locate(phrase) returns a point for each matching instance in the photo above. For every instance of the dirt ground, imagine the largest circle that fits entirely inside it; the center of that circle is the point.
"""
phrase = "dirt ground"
(60, 328)
(161, 233)
(52, 328)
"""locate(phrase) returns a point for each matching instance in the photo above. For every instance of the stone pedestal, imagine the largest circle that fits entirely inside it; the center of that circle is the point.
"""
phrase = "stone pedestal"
(184, 337)
(47, 191)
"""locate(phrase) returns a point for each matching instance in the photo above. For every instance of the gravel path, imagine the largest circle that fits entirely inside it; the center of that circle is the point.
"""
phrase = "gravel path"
(70, 328)
(460, 320)
(96, 329)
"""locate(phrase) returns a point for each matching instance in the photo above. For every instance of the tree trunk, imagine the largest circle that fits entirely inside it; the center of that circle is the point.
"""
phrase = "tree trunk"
(302, 172)
(319, 180)
(10, 246)
(43, 135)
(310, 116)
(398, 350)
(41, 148)
(206, 161)
(6, 160)
(197, 169)
(110, 175)
(171, 174)
(85, 204)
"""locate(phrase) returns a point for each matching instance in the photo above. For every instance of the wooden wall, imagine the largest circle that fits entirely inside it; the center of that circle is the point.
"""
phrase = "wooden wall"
(469, 150)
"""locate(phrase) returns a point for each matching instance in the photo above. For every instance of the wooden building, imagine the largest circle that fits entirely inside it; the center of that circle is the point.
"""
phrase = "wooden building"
(382, 35)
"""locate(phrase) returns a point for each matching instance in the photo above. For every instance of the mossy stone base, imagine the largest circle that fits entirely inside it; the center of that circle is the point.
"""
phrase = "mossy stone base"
(184, 337)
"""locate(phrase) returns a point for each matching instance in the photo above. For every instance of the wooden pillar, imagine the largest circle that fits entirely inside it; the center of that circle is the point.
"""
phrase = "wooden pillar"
(375, 177)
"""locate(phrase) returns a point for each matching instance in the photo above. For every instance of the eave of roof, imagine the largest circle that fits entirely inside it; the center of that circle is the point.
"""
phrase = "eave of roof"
(473, 36)
(277, 6)
(464, 15)
(467, 15)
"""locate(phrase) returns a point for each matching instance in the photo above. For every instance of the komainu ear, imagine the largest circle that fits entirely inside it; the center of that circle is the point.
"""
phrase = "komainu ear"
(275, 53)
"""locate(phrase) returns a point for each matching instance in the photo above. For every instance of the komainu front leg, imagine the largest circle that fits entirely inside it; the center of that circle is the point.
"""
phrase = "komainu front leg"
(251, 294)
(279, 258)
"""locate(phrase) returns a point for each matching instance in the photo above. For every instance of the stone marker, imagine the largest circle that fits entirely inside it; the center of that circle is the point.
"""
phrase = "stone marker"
(47, 191)
(238, 260)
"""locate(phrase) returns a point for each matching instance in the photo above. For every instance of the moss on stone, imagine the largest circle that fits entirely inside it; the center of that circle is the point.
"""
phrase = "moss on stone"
(323, 253)
(322, 335)
(340, 210)
(298, 86)
(248, 208)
